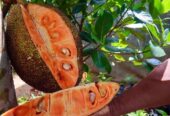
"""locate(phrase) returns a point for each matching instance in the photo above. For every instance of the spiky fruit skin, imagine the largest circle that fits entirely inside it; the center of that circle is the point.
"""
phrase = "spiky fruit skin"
(24, 55)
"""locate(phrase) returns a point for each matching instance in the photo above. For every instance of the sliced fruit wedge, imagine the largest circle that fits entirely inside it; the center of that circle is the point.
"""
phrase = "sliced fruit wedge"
(76, 101)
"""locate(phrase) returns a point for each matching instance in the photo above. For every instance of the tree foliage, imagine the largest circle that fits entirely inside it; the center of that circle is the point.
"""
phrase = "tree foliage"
(118, 30)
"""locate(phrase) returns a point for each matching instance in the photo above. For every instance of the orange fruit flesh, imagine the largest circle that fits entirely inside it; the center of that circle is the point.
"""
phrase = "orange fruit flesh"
(54, 42)
(69, 102)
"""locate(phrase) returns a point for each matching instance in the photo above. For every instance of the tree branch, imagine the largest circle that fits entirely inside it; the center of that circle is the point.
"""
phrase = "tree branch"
(126, 53)
(81, 24)
(7, 90)
(86, 58)
(86, 45)
(5, 8)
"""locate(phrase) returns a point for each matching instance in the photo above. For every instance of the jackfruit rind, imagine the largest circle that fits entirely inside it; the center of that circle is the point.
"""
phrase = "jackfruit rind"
(24, 55)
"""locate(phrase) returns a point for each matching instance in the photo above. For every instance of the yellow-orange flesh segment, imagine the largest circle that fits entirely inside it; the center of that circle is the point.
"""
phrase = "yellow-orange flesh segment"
(54, 41)
(69, 102)
(37, 107)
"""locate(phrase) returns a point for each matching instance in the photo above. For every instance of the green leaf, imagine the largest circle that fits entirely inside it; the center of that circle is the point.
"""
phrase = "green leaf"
(88, 51)
(161, 24)
(119, 57)
(87, 37)
(33, 1)
(97, 2)
(135, 26)
(101, 61)
(137, 34)
(139, 5)
(121, 44)
(168, 39)
(157, 51)
(85, 68)
(89, 78)
(161, 112)
(77, 9)
(165, 33)
(155, 7)
(112, 48)
(143, 16)
(154, 31)
(141, 113)
(153, 61)
(118, 50)
(148, 67)
(111, 40)
(166, 36)
(95, 38)
(166, 6)
(127, 20)
(80, 6)
(137, 63)
(22, 100)
(40, 1)
(49, 1)
(138, 113)
(147, 53)
(103, 24)
(87, 27)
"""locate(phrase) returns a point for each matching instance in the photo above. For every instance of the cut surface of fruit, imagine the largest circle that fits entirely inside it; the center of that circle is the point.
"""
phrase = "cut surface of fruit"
(76, 101)
(55, 42)
(47, 29)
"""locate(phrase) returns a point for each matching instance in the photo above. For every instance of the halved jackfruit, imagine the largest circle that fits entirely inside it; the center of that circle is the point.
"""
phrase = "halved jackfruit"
(44, 47)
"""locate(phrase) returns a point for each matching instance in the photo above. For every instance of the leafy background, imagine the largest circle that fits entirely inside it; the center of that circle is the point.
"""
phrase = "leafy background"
(107, 26)
(119, 31)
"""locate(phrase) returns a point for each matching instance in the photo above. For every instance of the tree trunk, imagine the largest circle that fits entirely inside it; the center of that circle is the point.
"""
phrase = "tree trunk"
(7, 91)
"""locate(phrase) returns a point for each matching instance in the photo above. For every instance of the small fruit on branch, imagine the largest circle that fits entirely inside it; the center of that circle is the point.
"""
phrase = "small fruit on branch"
(44, 47)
